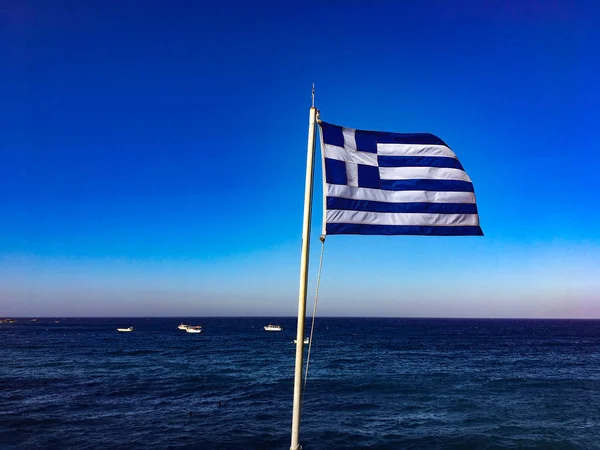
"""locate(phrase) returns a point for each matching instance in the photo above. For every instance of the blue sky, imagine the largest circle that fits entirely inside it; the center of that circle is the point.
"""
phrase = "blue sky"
(152, 155)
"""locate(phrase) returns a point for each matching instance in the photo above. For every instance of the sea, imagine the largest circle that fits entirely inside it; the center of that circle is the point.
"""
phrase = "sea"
(388, 383)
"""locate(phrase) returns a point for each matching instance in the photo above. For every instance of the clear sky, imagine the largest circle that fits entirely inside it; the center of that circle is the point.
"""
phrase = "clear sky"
(152, 154)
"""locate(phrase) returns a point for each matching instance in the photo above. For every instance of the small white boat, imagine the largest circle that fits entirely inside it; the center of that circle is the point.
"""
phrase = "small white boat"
(272, 327)
(306, 341)
(183, 326)
(191, 329)
(125, 330)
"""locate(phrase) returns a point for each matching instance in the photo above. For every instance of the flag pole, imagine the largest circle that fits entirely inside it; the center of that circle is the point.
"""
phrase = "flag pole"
(308, 192)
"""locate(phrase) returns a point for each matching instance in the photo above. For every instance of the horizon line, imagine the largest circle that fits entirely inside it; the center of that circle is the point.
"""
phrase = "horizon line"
(295, 317)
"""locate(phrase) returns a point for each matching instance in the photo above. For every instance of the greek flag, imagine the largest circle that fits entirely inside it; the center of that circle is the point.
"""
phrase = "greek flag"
(394, 183)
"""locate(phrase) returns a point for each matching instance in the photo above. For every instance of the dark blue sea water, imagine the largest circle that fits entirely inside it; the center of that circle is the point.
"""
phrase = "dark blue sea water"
(373, 383)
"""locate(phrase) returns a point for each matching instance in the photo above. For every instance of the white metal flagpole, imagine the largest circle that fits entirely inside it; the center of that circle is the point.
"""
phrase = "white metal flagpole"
(308, 192)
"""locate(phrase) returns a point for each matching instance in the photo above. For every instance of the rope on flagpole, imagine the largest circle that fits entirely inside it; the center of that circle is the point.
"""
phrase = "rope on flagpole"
(312, 326)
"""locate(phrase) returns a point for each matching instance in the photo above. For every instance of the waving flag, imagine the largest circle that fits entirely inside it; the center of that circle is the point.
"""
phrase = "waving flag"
(394, 183)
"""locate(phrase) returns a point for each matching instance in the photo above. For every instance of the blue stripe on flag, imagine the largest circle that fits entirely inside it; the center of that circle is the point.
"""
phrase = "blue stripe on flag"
(366, 140)
(427, 185)
(332, 134)
(357, 228)
(373, 206)
(368, 176)
(335, 171)
(408, 138)
(419, 161)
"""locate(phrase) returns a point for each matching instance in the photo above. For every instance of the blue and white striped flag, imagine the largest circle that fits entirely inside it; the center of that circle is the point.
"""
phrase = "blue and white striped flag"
(394, 183)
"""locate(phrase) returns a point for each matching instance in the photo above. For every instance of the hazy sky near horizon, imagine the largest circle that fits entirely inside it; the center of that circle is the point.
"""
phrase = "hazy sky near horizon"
(152, 155)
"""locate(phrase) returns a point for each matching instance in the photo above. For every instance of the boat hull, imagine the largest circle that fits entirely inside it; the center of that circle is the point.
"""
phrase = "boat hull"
(193, 329)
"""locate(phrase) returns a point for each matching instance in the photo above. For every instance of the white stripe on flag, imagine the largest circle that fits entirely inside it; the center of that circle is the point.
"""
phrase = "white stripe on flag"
(416, 219)
(414, 150)
(349, 139)
(352, 174)
(422, 173)
(360, 193)
(341, 154)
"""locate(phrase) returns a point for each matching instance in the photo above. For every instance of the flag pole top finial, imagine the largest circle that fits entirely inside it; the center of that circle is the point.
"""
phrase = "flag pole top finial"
(313, 95)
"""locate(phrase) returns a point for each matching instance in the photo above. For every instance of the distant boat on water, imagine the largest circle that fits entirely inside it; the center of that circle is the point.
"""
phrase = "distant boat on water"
(183, 326)
(306, 341)
(125, 330)
(192, 329)
(272, 327)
